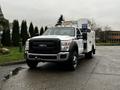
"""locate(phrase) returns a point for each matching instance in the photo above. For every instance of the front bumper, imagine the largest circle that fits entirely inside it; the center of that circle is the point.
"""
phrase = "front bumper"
(61, 56)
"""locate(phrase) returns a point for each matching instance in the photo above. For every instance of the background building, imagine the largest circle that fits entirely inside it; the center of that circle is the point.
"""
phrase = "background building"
(110, 36)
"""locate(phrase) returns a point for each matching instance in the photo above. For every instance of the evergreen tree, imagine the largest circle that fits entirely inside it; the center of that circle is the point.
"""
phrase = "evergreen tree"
(36, 31)
(31, 30)
(6, 41)
(46, 28)
(41, 31)
(24, 33)
(60, 20)
(15, 33)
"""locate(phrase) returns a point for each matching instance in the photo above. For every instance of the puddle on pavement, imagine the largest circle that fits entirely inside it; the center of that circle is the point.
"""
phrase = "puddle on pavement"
(12, 73)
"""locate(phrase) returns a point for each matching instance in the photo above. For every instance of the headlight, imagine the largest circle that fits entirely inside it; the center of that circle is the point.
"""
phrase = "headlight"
(27, 45)
(65, 45)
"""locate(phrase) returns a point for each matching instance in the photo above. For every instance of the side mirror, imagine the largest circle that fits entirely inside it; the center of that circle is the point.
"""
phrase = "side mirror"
(79, 36)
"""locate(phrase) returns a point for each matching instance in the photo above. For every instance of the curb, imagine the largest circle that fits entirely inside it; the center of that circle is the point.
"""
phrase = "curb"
(13, 63)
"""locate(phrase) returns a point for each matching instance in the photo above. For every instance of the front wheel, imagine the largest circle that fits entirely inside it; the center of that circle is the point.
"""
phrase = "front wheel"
(31, 64)
(73, 61)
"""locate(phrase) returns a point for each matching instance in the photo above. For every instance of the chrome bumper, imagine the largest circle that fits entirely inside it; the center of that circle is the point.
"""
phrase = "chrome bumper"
(62, 56)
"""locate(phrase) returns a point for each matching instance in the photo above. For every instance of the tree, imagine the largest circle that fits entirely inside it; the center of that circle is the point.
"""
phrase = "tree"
(41, 31)
(93, 24)
(36, 31)
(4, 26)
(107, 28)
(24, 33)
(6, 41)
(106, 32)
(60, 20)
(31, 30)
(98, 32)
(1, 28)
(15, 33)
(46, 28)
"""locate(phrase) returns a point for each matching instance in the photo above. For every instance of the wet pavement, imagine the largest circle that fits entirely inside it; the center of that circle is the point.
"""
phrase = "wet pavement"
(102, 72)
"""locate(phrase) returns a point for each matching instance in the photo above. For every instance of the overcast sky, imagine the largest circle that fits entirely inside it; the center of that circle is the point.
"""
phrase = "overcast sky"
(46, 12)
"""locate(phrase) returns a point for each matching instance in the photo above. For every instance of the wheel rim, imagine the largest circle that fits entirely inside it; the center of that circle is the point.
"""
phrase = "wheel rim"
(74, 61)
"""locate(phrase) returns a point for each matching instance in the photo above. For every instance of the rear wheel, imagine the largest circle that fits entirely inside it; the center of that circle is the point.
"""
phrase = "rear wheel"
(89, 54)
(31, 64)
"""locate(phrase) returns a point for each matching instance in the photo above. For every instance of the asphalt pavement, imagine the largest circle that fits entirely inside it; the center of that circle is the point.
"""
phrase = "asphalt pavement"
(102, 72)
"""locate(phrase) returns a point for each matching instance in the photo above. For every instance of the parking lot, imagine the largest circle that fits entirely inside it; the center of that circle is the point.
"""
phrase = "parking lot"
(102, 72)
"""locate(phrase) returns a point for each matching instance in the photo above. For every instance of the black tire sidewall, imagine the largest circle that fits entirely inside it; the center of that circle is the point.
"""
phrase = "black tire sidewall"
(88, 55)
(31, 64)
(70, 60)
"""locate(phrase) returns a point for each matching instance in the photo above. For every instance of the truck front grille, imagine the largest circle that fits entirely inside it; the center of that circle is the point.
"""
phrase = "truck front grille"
(44, 46)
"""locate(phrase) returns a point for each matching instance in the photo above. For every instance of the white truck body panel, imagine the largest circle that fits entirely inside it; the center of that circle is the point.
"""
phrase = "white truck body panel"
(80, 46)
(61, 37)
(65, 38)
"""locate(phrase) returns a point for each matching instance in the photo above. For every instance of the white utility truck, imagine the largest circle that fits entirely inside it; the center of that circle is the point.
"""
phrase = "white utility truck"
(63, 43)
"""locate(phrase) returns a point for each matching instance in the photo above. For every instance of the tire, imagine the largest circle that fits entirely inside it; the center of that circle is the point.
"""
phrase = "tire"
(94, 51)
(31, 64)
(73, 61)
(89, 55)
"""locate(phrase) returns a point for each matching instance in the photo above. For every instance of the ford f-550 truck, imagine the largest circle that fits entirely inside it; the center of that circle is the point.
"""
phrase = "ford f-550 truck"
(63, 43)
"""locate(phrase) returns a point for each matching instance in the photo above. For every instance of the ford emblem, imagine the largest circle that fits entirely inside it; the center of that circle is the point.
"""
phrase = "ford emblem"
(43, 45)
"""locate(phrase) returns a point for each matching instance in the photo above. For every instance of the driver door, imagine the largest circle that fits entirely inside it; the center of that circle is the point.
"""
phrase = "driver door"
(79, 41)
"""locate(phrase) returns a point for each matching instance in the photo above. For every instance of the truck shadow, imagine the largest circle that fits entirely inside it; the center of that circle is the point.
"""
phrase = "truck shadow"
(53, 68)
(61, 67)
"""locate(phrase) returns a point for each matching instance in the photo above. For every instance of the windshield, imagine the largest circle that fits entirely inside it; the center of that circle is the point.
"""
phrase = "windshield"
(60, 31)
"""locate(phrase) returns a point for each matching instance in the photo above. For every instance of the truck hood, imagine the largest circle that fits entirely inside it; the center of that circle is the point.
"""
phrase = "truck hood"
(55, 36)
